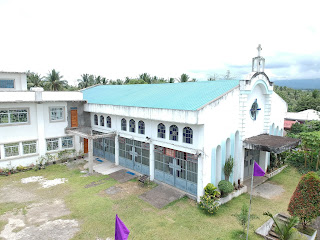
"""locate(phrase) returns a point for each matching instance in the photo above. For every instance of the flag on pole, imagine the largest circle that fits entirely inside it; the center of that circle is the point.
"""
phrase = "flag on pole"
(121, 231)
(257, 170)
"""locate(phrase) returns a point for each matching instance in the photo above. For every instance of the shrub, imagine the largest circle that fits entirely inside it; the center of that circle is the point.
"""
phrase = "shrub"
(211, 205)
(225, 187)
(228, 168)
(242, 217)
(210, 190)
(305, 201)
(209, 201)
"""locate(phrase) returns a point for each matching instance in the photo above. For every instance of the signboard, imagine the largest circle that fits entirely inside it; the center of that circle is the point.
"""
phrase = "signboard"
(159, 149)
(170, 152)
(192, 157)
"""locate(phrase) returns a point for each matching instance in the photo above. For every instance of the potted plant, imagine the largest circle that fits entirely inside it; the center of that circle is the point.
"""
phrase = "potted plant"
(228, 168)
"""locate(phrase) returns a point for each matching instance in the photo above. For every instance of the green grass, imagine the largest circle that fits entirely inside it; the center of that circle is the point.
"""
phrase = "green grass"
(181, 219)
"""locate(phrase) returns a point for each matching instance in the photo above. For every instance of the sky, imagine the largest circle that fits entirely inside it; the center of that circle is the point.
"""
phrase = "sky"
(116, 39)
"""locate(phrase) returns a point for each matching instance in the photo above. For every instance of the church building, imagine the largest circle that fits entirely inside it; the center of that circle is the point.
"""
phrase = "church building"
(180, 134)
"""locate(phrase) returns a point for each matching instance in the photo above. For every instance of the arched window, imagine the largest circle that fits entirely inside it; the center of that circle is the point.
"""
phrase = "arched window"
(109, 122)
(188, 135)
(141, 127)
(101, 120)
(132, 126)
(161, 130)
(123, 124)
(95, 118)
(174, 133)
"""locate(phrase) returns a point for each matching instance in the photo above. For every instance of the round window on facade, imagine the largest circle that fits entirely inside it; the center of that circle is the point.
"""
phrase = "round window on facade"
(254, 110)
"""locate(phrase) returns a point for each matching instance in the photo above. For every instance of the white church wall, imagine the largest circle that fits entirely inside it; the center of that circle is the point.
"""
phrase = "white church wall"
(278, 110)
(20, 80)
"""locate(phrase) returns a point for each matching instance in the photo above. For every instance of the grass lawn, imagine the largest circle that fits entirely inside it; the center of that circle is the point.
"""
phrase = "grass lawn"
(180, 220)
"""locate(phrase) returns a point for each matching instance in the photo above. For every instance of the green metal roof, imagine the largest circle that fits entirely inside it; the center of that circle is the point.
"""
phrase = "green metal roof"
(181, 96)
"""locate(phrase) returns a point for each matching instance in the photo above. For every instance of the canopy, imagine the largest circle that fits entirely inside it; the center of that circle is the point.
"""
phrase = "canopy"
(270, 143)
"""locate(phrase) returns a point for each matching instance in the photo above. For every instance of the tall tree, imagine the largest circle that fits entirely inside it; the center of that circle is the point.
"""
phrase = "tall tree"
(34, 80)
(53, 81)
(184, 78)
(145, 77)
(86, 80)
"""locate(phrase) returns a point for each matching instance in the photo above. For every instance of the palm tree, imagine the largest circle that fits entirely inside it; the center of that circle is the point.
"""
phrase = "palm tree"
(34, 80)
(86, 80)
(171, 80)
(54, 82)
(145, 77)
(183, 78)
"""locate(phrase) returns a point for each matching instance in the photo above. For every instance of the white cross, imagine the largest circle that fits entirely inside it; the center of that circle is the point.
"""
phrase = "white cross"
(259, 49)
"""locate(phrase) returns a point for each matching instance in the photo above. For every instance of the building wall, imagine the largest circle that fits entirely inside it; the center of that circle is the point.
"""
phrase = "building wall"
(39, 128)
(20, 81)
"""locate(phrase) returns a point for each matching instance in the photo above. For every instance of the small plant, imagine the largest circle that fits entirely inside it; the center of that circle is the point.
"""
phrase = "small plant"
(211, 190)
(209, 201)
(225, 187)
(285, 230)
(228, 168)
(74, 154)
(242, 217)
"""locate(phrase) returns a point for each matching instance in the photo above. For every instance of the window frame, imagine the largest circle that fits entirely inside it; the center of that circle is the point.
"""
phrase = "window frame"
(8, 79)
(51, 150)
(109, 122)
(141, 127)
(134, 124)
(171, 136)
(95, 120)
(63, 114)
(184, 135)
(161, 131)
(101, 120)
(64, 138)
(11, 146)
(123, 124)
(9, 118)
(29, 143)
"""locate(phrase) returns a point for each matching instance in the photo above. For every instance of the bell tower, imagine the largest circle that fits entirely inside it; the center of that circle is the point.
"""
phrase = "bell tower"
(258, 62)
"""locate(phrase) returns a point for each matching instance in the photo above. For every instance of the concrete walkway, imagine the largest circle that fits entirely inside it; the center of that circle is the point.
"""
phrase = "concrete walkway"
(162, 195)
(256, 182)
(105, 167)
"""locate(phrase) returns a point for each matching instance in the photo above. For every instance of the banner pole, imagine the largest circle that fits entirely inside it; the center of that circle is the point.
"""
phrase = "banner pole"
(250, 200)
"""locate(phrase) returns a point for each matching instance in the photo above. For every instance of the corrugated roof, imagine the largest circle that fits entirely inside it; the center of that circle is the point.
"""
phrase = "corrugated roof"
(180, 96)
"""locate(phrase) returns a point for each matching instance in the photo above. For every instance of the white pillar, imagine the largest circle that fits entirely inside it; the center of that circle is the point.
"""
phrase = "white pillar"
(90, 154)
(151, 161)
(42, 147)
(200, 178)
(116, 149)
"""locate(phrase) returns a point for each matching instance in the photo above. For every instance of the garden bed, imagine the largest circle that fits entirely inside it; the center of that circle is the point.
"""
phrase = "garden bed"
(232, 195)
(275, 172)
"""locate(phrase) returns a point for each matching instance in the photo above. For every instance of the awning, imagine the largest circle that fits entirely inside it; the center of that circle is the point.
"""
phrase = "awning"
(270, 143)
(87, 132)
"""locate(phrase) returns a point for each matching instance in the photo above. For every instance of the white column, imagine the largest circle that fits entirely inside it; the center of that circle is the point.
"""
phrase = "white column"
(41, 136)
(90, 154)
(116, 149)
(151, 161)
(200, 178)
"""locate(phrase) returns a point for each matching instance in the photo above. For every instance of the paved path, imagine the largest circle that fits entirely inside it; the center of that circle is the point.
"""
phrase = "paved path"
(105, 168)
(162, 195)
(256, 182)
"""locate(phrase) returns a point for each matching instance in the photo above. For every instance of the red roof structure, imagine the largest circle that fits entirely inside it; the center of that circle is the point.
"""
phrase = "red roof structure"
(288, 124)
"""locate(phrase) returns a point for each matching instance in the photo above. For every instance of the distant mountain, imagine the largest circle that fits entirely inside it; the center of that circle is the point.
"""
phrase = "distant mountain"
(299, 83)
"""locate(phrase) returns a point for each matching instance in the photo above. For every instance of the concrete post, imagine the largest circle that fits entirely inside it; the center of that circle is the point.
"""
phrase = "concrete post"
(90, 155)
(42, 148)
(116, 149)
(200, 179)
(151, 161)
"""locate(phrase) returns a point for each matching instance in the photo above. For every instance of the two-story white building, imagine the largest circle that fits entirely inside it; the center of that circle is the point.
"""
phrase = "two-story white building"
(32, 123)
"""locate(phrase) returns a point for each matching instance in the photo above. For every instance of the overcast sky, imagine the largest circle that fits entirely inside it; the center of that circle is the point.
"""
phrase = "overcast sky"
(117, 38)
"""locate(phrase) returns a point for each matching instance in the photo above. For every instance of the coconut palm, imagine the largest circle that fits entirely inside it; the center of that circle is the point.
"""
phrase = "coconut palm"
(53, 81)
(34, 80)
(184, 78)
(86, 80)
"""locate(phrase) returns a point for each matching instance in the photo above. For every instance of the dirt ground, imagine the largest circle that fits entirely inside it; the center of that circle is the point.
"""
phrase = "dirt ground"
(39, 219)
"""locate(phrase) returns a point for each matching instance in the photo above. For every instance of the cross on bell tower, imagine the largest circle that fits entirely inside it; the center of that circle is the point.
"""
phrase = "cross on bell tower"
(258, 62)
